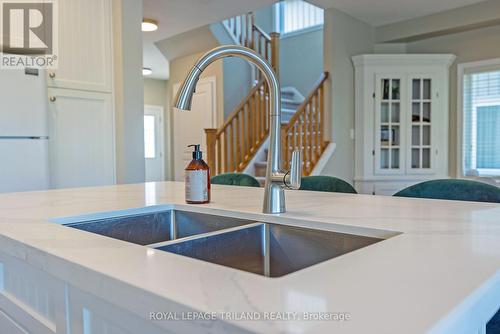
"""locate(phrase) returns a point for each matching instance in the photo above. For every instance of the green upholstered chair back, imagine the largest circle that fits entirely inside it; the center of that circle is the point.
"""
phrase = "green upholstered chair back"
(235, 179)
(453, 189)
(326, 183)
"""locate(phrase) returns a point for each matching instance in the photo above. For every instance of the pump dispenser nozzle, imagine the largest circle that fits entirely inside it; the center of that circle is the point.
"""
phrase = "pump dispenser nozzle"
(197, 154)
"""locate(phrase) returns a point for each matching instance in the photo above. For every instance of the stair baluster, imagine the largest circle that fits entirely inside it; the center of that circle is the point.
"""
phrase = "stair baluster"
(306, 129)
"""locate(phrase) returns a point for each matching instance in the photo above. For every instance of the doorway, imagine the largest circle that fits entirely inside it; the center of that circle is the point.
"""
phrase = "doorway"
(188, 126)
(153, 143)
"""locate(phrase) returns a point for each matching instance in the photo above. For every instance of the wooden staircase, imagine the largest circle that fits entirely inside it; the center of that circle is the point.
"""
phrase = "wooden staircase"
(231, 147)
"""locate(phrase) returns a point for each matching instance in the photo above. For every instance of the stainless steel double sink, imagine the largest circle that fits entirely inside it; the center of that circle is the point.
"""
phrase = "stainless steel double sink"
(266, 249)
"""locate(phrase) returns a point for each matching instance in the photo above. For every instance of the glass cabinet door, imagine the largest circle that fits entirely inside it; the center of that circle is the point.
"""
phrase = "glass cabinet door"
(388, 122)
(420, 125)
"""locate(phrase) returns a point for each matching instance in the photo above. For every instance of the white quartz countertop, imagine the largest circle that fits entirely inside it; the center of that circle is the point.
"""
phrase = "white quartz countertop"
(440, 259)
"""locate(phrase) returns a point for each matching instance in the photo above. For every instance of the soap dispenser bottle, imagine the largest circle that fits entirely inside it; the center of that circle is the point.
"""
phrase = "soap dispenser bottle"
(197, 179)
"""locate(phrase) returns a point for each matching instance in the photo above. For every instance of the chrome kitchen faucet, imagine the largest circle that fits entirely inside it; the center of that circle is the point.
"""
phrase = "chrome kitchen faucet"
(276, 178)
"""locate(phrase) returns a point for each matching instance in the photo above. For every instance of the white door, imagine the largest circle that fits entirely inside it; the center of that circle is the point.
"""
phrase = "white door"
(153, 143)
(81, 144)
(189, 125)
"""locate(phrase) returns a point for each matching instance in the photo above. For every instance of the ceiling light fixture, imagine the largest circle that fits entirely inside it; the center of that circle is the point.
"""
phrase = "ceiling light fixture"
(149, 25)
(147, 71)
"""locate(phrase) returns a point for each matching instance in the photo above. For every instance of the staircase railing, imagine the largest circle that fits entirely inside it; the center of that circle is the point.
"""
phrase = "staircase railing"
(246, 33)
(240, 27)
(231, 147)
(306, 129)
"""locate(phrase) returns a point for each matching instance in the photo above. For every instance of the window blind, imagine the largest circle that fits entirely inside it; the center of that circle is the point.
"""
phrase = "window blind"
(295, 15)
(481, 123)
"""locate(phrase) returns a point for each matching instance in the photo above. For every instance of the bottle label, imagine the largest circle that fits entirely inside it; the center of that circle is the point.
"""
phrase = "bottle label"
(196, 185)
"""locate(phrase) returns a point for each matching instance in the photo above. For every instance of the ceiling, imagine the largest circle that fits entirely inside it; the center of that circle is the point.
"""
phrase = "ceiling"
(152, 58)
(381, 12)
(179, 16)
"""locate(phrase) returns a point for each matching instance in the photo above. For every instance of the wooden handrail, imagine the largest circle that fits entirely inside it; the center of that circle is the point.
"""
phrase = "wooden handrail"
(231, 148)
(306, 129)
(239, 107)
(304, 104)
(261, 32)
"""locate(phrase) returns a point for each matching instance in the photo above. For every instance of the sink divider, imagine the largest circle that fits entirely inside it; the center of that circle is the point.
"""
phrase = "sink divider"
(267, 251)
(173, 226)
(204, 235)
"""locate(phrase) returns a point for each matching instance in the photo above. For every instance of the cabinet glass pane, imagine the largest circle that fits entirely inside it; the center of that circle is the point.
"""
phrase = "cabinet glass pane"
(384, 112)
(416, 89)
(427, 89)
(385, 89)
(395, 158)
(384, 158)
(395, 112)
(384, 136)
(415, 158)
(395, 135)
(395, 89)
(415, 135)
(426, 135)
(415, 112)
(426, 117)
(426, 158)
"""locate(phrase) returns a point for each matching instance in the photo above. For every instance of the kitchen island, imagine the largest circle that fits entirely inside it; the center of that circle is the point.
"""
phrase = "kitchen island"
(437, 269)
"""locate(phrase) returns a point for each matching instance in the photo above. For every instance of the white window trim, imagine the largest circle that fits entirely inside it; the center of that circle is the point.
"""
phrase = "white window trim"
(484, 103)
(161, 133)
(461, 69)
(302, 31)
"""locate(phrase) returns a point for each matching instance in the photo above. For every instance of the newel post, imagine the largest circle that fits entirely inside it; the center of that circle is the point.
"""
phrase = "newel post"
(211, 141)
(275, 51)
(250, 35)
(284, 145)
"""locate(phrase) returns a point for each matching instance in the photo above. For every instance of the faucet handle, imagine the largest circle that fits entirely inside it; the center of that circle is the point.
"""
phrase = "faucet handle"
(294, 176)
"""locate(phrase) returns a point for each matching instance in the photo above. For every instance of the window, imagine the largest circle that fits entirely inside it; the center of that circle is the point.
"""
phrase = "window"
(296, 15)
(149, 137)
(481, 122)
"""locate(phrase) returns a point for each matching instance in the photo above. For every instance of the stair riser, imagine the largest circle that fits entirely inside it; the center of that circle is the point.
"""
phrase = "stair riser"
(290, 105)
(260, 170)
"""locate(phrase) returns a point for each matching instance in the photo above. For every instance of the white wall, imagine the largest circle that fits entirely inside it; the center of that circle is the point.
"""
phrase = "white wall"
(179, 69)
(301, 60)
(474, 45)
(344, 37)
(128, 82)
(156, 94)
(237, 82)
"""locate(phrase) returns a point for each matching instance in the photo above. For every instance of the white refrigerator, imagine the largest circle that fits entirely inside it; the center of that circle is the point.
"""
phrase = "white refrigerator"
(24, 157)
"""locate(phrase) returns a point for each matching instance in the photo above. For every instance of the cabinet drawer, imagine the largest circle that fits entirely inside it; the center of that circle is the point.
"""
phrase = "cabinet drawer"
(85, 46)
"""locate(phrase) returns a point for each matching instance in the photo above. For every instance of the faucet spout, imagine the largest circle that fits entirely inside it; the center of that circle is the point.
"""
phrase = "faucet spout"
(276, 178)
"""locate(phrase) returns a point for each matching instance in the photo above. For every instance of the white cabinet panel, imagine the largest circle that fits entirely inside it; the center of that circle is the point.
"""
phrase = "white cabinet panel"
(81, 138)
(85, 44)
(401, 120)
